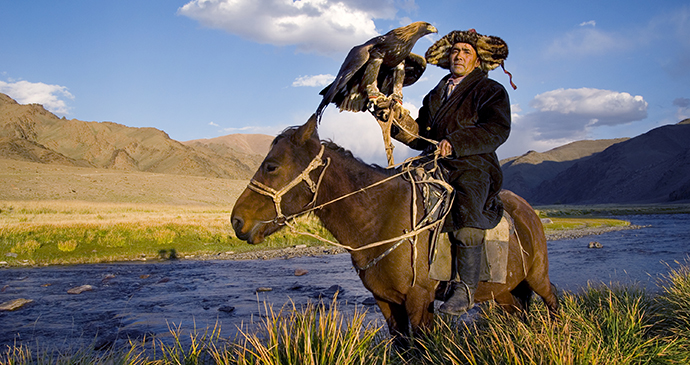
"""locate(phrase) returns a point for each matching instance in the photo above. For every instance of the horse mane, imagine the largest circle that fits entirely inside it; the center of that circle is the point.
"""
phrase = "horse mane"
(351, 161)
(356, 161)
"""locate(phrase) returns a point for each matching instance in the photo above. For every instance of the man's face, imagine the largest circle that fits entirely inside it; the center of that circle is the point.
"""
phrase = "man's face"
(463, 59)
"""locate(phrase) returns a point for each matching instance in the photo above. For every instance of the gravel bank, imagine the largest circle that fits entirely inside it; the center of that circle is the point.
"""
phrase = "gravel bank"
(301, 250)
(582, 232)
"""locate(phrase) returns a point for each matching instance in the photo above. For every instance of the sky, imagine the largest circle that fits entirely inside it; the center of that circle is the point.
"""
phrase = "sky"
(585, 69)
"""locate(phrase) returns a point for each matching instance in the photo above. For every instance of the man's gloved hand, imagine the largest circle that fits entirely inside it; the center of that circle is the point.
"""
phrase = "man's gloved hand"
(380, 110)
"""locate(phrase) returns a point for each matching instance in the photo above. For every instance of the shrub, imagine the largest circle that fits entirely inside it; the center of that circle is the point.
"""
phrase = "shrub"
(26, 247)
(68, 246)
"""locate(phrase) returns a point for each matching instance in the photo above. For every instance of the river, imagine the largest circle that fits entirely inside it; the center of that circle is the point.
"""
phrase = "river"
(130, 300)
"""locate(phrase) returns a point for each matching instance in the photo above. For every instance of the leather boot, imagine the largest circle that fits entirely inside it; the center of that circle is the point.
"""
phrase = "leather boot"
(468, 265)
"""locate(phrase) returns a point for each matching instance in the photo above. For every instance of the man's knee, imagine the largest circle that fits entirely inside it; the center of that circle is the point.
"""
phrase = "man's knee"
(467, 237)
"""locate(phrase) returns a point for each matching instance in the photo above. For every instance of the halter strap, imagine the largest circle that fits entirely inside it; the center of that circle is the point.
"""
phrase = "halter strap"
(277, 195)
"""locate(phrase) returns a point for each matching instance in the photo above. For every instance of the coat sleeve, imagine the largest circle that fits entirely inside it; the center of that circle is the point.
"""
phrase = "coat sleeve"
(491, 127)
(422, 122)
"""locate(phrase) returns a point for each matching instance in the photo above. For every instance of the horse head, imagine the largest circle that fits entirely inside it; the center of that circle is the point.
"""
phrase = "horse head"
(282, 186)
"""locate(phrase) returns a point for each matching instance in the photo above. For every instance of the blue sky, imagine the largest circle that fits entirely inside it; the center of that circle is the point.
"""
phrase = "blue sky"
(207, 68)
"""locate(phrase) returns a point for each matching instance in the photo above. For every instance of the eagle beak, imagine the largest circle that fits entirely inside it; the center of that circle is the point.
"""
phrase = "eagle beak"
(432, 29)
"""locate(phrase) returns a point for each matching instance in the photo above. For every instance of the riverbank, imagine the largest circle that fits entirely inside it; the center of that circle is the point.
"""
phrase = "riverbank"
(44, 233)
(123, 304)
(303, 250)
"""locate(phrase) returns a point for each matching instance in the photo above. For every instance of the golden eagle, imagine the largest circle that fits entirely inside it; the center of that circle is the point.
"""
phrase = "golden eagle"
(379, 67)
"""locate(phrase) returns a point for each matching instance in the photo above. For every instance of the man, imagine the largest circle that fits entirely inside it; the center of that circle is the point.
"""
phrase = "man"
(469, 114)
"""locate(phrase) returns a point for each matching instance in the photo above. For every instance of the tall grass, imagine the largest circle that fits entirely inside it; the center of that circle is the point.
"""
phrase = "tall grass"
(602, 325)
(315, 334)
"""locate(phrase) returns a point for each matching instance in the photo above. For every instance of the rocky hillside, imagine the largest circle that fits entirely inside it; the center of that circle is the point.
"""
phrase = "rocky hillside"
(523, 174)
(31, 133)
(651, 168)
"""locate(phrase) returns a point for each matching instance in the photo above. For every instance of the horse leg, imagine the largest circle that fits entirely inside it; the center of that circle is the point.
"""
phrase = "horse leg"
(538, 281)
(523, 296)
(397, 321)
(420, 308)
(508, 302)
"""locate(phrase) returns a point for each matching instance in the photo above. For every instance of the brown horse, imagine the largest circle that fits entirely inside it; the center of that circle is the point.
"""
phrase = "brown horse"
(300, 173)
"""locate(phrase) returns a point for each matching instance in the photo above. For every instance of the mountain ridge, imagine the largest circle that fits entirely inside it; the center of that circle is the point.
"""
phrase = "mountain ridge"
(651, 168)
(31, 133)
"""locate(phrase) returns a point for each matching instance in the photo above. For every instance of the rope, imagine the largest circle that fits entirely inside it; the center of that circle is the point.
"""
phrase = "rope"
(412, 236)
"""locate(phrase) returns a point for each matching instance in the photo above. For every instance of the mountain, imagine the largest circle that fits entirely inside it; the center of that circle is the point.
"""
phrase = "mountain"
(31, 133)
(651, 168)
(523, 174)
(247, 145)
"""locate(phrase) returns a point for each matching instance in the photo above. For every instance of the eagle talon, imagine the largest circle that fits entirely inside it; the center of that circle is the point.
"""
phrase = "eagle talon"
(381, 101)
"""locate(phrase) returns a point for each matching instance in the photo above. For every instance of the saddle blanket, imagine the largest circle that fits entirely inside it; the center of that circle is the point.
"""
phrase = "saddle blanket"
(494, 267)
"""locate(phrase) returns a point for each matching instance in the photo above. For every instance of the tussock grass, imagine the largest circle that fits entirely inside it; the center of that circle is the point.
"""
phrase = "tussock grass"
(315, 334)
(601, 325)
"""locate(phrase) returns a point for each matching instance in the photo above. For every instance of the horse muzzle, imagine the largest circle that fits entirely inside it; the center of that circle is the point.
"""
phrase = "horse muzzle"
(252, 233)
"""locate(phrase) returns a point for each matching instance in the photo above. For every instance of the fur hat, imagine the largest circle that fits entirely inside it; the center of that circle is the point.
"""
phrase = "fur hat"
(491, 50)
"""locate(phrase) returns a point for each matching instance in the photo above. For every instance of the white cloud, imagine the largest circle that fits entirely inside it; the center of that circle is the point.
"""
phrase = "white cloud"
(608, 107)
(591, 22)
(50, 96)
(359, 133)
(683, 105)
(566, 115)
(269, 130)
(313, 81)
(322, 26)
(588, 41)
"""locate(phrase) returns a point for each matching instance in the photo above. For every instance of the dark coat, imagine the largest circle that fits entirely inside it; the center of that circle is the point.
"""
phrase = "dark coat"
(475, 119)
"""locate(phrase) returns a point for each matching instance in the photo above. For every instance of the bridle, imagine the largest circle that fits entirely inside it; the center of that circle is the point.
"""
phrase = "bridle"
(318, 161)
(277, 195)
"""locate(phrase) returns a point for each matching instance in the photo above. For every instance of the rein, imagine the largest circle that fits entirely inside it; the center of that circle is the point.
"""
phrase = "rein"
(426, 223)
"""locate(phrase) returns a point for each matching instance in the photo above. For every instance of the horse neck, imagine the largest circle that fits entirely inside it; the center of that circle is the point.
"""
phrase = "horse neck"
(364, 216)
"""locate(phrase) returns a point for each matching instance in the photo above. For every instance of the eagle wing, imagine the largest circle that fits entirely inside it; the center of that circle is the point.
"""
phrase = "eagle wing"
(373, 64)
(415, 65)
(355, 61)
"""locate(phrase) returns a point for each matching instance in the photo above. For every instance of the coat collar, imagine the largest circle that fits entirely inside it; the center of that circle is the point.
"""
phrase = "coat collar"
(459, 93)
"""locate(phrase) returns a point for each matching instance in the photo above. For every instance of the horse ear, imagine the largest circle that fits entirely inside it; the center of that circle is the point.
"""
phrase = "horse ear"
(306, 131)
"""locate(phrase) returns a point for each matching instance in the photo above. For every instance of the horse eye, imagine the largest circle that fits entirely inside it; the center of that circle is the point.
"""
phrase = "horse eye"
(270, 167)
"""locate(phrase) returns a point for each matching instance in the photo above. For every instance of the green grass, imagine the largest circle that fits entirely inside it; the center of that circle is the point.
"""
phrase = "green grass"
(600, 210)
(68, 232)
(49, 233)
(602, 325)
(559, 224)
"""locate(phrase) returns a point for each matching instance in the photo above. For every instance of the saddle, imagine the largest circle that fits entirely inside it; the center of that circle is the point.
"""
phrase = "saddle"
(437, 197)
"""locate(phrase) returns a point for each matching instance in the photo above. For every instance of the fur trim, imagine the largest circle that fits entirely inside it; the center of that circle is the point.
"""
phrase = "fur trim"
(491, 50)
